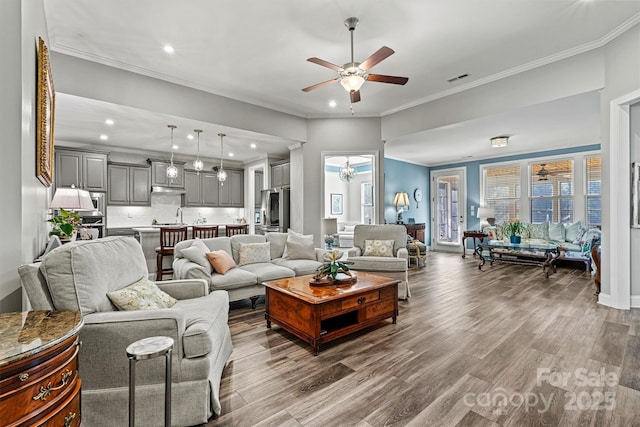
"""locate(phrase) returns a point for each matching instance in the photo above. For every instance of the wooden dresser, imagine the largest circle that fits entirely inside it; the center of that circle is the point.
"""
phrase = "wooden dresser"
(39, 382)
(416, 231)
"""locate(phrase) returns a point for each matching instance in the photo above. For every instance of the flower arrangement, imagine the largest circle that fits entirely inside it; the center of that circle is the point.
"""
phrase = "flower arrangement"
(332, 267)
(64, 224)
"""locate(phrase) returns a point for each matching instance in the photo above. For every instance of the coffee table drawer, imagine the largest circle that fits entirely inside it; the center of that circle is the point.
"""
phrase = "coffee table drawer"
(349, 303)
(382, 308)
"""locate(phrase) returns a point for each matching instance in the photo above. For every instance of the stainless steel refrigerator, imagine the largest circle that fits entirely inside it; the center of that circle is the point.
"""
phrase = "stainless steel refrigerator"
(274, 210)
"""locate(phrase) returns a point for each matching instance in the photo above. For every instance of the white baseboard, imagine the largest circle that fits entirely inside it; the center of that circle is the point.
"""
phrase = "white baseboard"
(635, 301)
(605, 299)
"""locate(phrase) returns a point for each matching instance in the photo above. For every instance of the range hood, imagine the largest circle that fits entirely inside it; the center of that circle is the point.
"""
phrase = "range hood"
(167, 190)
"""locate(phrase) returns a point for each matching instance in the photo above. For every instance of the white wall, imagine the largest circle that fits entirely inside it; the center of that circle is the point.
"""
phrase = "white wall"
(24, 198)
(635, 232)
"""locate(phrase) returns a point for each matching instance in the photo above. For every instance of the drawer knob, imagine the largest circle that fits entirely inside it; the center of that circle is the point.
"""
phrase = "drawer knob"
(69, 419)
(362, 300)
(46, 391)
(24, 376)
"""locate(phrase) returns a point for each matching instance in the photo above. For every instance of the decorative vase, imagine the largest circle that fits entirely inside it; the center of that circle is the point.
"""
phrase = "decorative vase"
(515, 239)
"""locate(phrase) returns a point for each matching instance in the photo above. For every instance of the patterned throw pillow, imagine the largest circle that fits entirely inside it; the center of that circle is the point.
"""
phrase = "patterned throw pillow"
(539, 230)
(572, 231)
(141, 295)
(253, 253)
(378, 248)
(556, 231)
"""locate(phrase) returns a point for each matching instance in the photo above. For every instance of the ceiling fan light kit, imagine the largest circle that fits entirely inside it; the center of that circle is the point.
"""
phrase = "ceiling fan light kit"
(352, 75)
(499, 141)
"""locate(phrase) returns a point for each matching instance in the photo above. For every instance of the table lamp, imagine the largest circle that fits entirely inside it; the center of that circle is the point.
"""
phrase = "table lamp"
(329, 230)
(486, 216)
(400, 201)
(72, 199)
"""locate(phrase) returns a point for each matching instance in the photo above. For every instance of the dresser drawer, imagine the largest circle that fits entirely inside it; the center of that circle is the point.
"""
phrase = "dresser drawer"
(46, 388)
(68, 415)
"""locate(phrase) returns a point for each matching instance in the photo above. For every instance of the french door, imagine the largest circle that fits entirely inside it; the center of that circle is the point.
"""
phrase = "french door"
(448, 203)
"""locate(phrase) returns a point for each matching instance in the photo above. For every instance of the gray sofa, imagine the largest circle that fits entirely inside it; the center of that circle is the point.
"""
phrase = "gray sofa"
(244, 281)
(77, 277)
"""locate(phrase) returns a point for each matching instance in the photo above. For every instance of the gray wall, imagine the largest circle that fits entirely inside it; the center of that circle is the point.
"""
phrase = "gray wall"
(635, 232)
(25, 200)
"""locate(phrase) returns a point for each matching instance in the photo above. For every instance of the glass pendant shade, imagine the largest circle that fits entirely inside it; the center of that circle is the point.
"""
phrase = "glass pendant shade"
(347, 172)
(197, 163)
(172, 171)
(352, 82)
(221, 175)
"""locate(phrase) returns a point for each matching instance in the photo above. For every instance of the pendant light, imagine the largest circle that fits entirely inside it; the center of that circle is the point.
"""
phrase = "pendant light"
(222, 175)
(172, 171)
(197, 163)
(347, 172)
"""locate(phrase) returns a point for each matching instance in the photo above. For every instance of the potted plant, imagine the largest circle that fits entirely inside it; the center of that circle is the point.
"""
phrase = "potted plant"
(332, 270)
(514, 230)
(64, 224)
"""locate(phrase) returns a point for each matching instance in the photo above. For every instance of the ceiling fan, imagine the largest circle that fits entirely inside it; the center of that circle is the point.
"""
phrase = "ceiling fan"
(353, 74)
(543, 174)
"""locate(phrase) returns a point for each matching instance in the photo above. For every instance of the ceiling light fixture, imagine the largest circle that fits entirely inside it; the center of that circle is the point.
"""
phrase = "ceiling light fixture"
(222, 175)
(253, 145)
(104, 137)
(197, 163)
(348, 172)
(332, 104)
(168, 48)
(109, 122)
(499, 141)
(172, 171)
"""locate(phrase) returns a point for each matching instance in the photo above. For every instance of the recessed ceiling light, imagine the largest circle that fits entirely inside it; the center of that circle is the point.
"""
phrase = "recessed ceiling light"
(175, 147)
(168, 48)
(332, 103)
(253, 145)
(230, 154)
(189, 136)
(104, 137)
(109, 122)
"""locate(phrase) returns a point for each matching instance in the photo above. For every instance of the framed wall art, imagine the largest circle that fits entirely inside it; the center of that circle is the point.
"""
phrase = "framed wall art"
(336, 204)
(45, 100)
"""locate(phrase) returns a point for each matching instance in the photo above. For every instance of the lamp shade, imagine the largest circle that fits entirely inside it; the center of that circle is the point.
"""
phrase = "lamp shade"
(329, 226)
(401, 199)
(72, 199)
(484, 212)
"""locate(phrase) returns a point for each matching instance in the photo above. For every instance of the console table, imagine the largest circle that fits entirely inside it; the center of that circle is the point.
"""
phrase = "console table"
(538, 254)
(472, 234)
(415, 230)
(39, 382)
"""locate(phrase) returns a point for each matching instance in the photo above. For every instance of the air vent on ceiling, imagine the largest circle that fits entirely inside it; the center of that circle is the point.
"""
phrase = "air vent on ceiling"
(461, 76)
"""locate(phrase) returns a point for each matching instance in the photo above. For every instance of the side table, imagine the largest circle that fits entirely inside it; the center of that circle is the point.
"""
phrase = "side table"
(148, 348)
(473, 234)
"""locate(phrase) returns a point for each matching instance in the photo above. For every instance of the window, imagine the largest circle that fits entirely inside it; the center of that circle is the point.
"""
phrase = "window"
(552, 191)
(502, 191)
(592, 192)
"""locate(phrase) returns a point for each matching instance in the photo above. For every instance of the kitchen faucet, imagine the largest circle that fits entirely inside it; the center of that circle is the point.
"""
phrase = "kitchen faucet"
(179, 214)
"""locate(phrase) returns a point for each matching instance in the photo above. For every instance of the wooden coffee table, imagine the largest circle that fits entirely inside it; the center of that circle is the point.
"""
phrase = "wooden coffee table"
(319, 314)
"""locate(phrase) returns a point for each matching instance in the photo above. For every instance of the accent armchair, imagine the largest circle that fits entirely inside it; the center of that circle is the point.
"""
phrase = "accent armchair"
(77, 277)
(394, 265)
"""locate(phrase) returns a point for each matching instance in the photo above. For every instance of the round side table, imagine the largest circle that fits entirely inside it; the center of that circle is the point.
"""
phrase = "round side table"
(149, 348)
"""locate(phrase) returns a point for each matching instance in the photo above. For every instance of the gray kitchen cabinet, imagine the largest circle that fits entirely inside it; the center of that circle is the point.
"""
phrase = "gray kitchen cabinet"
(200, 189)
(159, 174)
(259, 182)
(280, 175)
(129, 185)
(82, 169)
(232, 192)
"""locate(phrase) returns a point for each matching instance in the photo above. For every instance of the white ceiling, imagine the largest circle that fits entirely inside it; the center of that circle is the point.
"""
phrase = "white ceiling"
(256, 51)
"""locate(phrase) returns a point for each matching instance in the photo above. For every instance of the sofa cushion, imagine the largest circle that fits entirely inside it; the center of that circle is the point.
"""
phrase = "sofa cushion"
(268, 271)
(572, 231)
(371, 263)
(197, 253)
(213, 244)
(556, 231)
(252, 253)
(141, 295)
(301, 267)
(397, 233)
(382, 248)
(278, 242)
(538, 230)
(240, 239)
(79, 274)
(232, 279)
(297, 250)
(221, 261)
(295, 237)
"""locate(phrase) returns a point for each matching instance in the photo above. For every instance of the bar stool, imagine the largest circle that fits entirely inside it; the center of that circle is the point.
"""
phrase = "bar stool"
(149, 348)
(204, 232)
(169, 236)
(236, 229)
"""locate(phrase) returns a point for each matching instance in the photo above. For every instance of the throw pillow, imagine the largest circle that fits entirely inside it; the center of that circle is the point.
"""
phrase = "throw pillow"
(197, 253)
(221, 261)
(292, 236)
(578, 239)
(378, 248)
(141, 295)
(556, 231)
(539, 230)
(349, 228)
(301, 250)
(572, 231)
(252, 253)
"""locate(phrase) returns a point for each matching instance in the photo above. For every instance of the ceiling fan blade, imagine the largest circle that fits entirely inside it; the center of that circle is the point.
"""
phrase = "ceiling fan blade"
(355, 96)
(324, 63)
(378, 56)
(319, 85)
(387, 79)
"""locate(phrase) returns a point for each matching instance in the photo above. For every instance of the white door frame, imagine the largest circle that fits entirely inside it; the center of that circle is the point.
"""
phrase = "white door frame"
(462, 206)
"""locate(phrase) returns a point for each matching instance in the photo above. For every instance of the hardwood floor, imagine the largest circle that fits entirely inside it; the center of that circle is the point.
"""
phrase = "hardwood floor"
(498, 347)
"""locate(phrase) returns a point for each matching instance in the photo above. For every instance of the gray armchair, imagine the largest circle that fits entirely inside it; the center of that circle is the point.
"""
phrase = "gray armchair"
(77, 277)
(394, 266)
